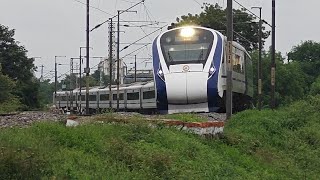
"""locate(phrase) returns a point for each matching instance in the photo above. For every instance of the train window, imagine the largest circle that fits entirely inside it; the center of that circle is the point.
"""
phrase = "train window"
(104, 97)
(83, 97)
(63, 98)
(178, 49)
(238, 61)
(58, 98)
(92, 98)
(148, 95)
(120, 96)
(133, 96)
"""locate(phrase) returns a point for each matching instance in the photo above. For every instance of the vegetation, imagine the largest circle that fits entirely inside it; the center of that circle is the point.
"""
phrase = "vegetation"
(8, 102)
(291, 80)
(18, 84)
(282, 144)
(186, 117)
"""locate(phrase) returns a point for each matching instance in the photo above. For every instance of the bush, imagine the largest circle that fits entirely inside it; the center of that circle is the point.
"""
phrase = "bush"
(10, 105)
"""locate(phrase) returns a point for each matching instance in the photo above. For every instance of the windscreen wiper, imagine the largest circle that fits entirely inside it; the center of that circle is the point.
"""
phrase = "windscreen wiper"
(170, 57)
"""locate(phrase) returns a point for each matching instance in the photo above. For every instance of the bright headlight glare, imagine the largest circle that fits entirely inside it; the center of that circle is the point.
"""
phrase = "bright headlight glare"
(187, 32)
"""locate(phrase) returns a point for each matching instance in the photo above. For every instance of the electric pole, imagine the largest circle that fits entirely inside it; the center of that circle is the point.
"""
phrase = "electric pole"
(56, 78)
(229, 59)
(118, 58)
(110, 61)
(41, 77)
(260, 60)
(273, 51)
(87, 68)
(135, 68)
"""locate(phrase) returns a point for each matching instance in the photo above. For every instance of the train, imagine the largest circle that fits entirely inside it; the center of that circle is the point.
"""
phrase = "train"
(189, 75)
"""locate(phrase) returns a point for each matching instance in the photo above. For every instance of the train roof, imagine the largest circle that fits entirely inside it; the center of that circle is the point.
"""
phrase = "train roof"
(136, 85)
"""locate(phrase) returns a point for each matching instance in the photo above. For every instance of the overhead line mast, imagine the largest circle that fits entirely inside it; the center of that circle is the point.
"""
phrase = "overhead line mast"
(229, 59)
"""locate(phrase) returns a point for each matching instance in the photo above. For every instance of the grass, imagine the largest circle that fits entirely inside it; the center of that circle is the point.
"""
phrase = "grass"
(282, 144)
(186, 117)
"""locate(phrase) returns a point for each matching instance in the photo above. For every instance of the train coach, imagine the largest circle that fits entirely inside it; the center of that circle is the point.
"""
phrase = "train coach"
(138, 96)
(189, 65)
(189, 69)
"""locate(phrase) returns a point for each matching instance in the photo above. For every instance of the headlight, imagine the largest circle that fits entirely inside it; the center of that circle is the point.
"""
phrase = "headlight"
(212, 70)
(187, 32)
(160, 73)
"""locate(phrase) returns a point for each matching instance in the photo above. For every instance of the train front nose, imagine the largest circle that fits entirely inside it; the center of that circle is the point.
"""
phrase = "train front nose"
(186, 84)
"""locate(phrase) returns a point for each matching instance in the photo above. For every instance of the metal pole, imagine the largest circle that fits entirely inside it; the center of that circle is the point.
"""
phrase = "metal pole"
(87, 68)
(118, 58)
(229, 59)
(135, 68)
(273, 51)
(259, 67)
(41, 78)
(101, 72)
(71, 87)
(80, 81)
(56, 76)
(260, 62)
(110, 63)
(55, 80)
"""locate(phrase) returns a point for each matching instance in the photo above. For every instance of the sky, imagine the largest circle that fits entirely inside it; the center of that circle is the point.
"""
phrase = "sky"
(49, 28)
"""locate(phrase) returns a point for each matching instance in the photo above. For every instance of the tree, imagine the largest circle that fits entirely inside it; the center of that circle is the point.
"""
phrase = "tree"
(18, 67)
(308, 55)
(291, 82)
(46, 90)
(315, 87)
(246, 28)
(8, 102)
(105, 78)
(6, 87)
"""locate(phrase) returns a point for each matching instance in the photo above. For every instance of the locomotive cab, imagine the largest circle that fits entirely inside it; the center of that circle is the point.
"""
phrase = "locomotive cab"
(183, 65)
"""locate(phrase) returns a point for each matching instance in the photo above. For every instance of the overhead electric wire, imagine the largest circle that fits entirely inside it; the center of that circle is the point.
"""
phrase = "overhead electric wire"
(197, 2)
(251, 12)
(142, 38)
(134, 51)
(94, 7)
(97, 26)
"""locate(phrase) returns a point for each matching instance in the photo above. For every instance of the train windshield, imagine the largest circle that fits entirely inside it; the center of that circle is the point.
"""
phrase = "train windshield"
(186, 46)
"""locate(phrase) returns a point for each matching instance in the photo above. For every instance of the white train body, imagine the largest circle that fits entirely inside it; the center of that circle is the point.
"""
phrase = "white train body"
(136, 96)
(189, 67)
(190, 71)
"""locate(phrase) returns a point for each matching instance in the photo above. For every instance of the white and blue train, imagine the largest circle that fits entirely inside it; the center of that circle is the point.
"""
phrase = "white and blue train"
(189, 67)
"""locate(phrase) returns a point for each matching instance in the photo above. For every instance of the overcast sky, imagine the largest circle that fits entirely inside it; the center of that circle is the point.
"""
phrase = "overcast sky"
(49, 28)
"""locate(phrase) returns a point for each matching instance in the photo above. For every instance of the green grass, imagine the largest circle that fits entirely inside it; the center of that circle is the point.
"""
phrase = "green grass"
(186, 117)
(282, 144)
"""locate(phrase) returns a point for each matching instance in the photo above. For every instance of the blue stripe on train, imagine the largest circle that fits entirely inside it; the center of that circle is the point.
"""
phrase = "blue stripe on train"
(212, 85)
(162, 100)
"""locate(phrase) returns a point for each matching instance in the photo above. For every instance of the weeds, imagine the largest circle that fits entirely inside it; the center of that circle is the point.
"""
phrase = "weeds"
(281, 144)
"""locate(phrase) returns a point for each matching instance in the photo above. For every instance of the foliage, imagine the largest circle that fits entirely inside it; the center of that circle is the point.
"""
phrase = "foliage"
(291, 81)
(18, 67)
(8, 102)
(45, 95)
(105, 78)
(213, 16)
(287, 138)
(315, 87)
(6, 86)
(308, 54)
(12, 104)
(281, 144)
(186, 117)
